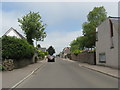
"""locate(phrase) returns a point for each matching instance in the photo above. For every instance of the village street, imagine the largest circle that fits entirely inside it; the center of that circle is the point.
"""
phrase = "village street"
(59, 44)
(67, 74)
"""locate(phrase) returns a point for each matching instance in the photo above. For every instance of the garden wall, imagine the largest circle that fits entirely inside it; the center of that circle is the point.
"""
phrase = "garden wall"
(84, 57)
(10, 64)
(22, 63)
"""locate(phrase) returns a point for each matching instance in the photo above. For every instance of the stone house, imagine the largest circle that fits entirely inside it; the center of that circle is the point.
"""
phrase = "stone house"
(107, 38)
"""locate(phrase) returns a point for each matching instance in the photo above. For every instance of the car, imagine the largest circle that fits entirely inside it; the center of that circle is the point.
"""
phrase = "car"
(51, 58)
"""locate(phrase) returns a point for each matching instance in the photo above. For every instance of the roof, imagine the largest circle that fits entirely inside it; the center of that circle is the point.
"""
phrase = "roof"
(15, 32)
(115, 21)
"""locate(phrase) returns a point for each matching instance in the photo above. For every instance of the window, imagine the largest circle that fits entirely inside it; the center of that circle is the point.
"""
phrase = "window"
(96, 34)
(112, 45)
(102, 58)
(111, 34)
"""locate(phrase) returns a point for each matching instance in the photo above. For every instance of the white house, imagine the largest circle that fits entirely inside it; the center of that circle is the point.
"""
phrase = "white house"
(107, 42)
(13, 32)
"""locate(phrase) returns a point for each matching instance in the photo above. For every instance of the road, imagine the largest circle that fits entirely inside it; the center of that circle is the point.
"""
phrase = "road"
(67, 74)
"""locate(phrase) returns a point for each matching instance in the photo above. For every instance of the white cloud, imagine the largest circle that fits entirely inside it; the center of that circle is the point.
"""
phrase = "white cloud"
(9, 19)
(60, 0)
(60, 39)
(56, 13)
(53, 13)
(0, 18)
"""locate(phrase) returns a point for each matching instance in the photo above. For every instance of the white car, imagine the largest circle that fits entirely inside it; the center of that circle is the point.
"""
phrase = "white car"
(51, 58)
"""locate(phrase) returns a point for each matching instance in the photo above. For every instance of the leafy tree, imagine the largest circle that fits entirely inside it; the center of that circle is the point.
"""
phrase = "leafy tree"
(33, 27)
(51, 50)
(81, 42)
(89, 32)
(97, 15)
(78, 45)
(95, 18)
(74, 45)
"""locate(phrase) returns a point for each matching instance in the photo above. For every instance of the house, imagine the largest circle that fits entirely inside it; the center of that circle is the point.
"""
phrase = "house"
(13, 32)
(65, 51)
(107, 38)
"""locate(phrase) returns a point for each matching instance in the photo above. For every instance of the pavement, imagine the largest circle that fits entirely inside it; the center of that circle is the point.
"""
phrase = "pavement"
(13, 78)
(102, 69)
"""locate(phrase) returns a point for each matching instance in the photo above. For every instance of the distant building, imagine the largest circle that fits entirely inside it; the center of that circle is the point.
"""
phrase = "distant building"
(107, 38)
(65, 51)
(42, 49)
(13, 32)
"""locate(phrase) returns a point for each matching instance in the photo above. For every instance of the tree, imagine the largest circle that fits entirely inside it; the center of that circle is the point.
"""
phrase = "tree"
(51, 50)
(97, 15)
(78, 45)
(95, 18)
(89, 32)
(74, 46)
(33, 27)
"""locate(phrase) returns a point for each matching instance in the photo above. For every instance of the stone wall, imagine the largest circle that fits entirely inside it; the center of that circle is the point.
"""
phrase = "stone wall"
(17, 63)
(22, 63)
(84, 57)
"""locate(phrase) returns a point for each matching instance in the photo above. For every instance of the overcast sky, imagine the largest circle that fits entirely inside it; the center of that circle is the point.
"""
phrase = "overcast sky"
(64, 19)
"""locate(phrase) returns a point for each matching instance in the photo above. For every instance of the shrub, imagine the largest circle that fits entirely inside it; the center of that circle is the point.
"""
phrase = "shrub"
(14, 48)
(42, 54)
(76, 52)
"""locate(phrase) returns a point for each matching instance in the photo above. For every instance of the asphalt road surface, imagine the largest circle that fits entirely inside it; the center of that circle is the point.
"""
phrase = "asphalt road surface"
(67, 74)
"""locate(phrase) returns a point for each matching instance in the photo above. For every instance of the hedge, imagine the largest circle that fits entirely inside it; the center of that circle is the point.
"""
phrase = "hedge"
(15, 48)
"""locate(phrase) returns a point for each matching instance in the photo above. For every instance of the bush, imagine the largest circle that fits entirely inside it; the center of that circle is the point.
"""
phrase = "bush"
(76, 52)
(42, 54)
(14, 48)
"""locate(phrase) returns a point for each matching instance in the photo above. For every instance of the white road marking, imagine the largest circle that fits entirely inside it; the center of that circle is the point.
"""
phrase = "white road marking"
(41, 66)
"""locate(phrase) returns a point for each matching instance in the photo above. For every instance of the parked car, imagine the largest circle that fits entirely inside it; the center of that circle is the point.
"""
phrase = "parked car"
(51, 58)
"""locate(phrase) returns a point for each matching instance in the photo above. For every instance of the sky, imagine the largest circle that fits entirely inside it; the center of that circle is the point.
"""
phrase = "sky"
(64, 19)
